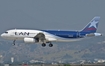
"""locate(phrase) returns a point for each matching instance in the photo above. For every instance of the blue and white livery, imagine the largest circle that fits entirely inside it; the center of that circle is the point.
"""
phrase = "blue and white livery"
(48, 36)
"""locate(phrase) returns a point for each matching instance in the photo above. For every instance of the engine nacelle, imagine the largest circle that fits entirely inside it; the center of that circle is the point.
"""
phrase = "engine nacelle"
(98, 34)
(93, 34)
(29, 40)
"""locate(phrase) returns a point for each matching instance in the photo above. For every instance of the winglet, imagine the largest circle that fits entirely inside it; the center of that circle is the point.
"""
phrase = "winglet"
(92, 25)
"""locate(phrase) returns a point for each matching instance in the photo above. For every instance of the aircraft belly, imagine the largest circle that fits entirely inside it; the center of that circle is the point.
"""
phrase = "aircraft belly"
(68, 40)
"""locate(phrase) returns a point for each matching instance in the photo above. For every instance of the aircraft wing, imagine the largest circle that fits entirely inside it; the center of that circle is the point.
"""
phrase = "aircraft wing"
(40, 37)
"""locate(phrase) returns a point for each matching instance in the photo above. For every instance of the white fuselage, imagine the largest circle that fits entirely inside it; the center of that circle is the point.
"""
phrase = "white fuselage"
(20, 34)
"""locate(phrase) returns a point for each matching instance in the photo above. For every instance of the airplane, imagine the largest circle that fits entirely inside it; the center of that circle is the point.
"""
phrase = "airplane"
(49, 36)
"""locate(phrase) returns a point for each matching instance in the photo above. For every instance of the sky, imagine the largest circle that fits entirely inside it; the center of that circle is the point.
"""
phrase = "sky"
(50, 14)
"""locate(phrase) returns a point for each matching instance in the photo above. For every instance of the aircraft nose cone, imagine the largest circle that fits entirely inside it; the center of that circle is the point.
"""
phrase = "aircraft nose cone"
(2, 35)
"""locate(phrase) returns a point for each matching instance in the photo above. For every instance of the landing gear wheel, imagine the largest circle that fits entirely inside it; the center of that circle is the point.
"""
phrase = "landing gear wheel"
(50, 45)
(13, 44)
(43, 45)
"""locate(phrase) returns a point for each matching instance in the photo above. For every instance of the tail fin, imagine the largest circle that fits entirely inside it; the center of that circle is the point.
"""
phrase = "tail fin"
(92, 26)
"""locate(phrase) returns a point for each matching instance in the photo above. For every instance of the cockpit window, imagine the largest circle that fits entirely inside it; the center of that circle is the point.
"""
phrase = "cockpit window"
(6, 32)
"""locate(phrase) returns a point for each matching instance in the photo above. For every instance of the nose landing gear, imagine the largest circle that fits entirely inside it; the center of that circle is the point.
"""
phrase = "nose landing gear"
(14, 42)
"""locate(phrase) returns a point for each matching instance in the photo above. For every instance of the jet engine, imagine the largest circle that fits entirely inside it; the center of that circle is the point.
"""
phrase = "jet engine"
(93, 34)
(29, 40)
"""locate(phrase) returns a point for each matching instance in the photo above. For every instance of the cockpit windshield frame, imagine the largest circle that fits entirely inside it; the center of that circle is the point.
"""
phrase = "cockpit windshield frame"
(6, 32)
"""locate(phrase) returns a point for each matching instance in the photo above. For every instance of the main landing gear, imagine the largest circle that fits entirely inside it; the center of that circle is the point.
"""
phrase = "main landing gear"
(43, 44)
(50, 45)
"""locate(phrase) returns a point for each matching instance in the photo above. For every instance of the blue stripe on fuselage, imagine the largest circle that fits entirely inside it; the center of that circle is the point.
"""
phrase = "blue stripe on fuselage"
(67, 34)
(63, 34)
